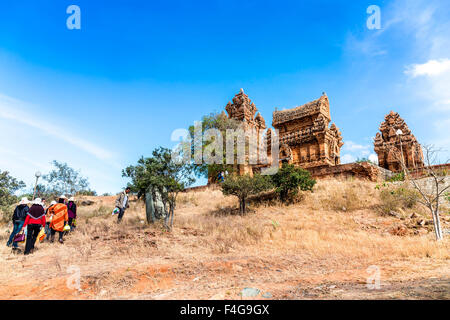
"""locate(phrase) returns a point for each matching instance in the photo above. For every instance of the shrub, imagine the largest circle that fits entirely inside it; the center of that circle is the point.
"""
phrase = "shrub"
(395, 197)
(8, 186)
(361, 160)
(408, 196)
(245, 186)
(389, 202)
(398, 177)
(267, 198)
(346, 198)
(289, 179)
(87, 192)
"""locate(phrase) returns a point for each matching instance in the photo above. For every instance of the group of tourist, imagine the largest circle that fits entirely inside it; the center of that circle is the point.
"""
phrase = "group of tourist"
(40, 220)
(58, 217)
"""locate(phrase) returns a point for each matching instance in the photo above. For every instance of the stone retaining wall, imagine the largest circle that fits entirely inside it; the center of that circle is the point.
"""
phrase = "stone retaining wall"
(362, 170)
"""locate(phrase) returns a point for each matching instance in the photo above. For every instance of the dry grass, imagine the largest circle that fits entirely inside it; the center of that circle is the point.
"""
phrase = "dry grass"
(342, 195)
(398, 197)
(317, 229)
(331, 221)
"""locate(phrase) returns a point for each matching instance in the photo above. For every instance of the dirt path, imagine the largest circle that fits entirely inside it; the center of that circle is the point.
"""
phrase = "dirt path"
(225, 279)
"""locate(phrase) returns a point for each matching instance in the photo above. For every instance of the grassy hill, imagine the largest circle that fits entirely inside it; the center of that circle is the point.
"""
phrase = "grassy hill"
(319, 247)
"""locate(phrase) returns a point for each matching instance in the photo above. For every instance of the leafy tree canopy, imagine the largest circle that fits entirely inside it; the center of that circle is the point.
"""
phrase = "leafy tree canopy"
(289, 179)
(221, 122)
(64, 180)
(162, 173)
(8, 186)
(245, 186)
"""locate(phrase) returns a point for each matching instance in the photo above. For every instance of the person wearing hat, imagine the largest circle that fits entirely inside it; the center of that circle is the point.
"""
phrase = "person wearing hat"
(35, 220)
(72, 209)
(60, 217)
(18, 218)
(48, 219)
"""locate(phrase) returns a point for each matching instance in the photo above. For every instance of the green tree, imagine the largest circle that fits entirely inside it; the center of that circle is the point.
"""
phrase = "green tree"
(289, 179)
(8, 186)
(87, 192)
(360, 160)
(43, 192)
(160, 172)
(65, 180)
(221, 122)
(245, 186)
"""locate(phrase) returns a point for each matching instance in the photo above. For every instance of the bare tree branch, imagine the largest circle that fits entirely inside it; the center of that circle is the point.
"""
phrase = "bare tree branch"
(431, 198)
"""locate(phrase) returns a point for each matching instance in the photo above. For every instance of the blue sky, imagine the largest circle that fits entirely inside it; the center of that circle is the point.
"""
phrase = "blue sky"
(100, 97)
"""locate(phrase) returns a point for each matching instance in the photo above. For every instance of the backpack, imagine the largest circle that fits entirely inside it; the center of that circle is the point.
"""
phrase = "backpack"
(72, 207)
(20, 213)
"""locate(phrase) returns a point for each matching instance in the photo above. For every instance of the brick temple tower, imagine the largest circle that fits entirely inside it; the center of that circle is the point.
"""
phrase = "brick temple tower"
(388, 145)
(306, 139)
(243, 110)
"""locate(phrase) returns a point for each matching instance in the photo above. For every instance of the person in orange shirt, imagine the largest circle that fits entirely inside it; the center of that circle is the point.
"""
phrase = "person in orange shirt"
(60, 217)
(48, 219)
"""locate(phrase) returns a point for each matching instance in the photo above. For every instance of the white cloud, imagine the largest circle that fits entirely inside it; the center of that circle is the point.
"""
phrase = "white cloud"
(358, 150)
(427, 21)
(374, 158)
(30, 140)
(368, 46)
(354, 151)
(9, 110)
(435, 86)
(431, 83)
(18, 156)
(352, 146)
(430, 68)
(347, 158)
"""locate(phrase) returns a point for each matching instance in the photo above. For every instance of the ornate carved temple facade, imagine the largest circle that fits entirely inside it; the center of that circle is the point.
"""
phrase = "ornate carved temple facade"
(242, 109)
(306, 138)
(389, 145)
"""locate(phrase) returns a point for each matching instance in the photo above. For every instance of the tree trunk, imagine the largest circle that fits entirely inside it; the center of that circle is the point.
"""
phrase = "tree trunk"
(172, 211)
(437, 225)
(166, 221)
(149, 207)
(242, 206)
